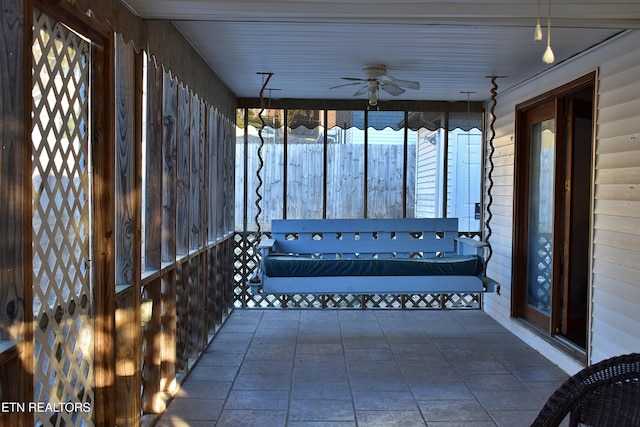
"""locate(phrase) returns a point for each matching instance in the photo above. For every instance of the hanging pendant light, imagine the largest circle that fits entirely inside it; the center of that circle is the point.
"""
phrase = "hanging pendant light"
(538, 33)
(548, 56)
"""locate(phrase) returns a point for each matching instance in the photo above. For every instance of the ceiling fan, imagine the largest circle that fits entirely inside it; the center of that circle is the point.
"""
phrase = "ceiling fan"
(376, 79)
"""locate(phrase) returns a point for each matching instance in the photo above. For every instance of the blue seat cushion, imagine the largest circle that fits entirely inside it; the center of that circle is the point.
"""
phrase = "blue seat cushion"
(305, 266)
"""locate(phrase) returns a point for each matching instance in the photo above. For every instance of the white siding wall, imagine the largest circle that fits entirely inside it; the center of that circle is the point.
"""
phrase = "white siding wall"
(616, 253)
(615, 293)
(426, 178)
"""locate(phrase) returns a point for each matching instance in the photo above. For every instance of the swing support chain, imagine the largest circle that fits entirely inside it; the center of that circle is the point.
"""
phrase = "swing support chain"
(260, 158)
(492, 134)
(256, 242)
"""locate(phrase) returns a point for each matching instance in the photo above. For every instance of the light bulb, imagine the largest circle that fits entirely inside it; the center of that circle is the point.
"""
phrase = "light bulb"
(548, 56)
(373, 98)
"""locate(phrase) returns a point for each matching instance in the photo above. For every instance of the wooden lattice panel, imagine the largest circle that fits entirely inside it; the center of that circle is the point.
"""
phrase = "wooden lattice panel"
(460, 300)
(63, 332)
(423, 301)
(245, 263)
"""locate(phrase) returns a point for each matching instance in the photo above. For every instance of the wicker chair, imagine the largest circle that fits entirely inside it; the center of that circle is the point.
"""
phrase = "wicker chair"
(604, 394)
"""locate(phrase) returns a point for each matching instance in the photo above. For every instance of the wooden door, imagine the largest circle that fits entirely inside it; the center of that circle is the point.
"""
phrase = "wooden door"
(537, 201)
(552, 214)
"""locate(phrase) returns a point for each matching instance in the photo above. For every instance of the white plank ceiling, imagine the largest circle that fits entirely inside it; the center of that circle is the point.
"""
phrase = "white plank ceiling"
(449, 47)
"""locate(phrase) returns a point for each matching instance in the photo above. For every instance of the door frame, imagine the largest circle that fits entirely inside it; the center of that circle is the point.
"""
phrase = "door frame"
(580, 171)
(552, 325)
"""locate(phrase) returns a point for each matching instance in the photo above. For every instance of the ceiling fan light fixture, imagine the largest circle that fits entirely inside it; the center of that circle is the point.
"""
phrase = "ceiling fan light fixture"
(374, 86)
(376, 79)
(373, 98)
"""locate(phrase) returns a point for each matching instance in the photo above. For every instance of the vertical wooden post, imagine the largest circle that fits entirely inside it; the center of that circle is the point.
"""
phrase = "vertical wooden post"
(182, 228)
(153, 188)
(405, 166)
(16, 338)
(182, 300)
(213, 313)
(104, 229)
(202, 292)
(211, 196)
(128, 376)
(151, 402)
(169, 227)
(182, 171)
(168, 143)
(168, 382)
(152, 399)
(14, 170)
(220, 184)
(193, 306)
(219, 280)
(194, 224)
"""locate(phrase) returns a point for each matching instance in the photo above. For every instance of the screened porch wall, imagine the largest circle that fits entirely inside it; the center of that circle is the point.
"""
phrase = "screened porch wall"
(186, 288)
(358, 164)
(186, 211)
(354, 163)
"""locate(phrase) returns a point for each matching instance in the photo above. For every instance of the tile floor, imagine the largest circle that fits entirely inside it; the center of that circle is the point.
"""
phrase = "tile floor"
(364, 368)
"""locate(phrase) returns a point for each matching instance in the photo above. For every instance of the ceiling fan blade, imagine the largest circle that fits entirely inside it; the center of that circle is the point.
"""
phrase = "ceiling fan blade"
(400, 83)
(407, 84)
(354, 79)
(346, 84)
(392, 89)
(362, 90)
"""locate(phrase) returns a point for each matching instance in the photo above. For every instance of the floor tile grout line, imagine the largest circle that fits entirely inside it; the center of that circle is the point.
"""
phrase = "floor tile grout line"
(494, 357)
(235, 377)
(293, 368)
(346, 365)
(404, 375)
(420, 324)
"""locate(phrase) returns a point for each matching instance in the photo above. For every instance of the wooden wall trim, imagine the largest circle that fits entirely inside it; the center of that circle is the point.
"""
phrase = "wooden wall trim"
(12, 158)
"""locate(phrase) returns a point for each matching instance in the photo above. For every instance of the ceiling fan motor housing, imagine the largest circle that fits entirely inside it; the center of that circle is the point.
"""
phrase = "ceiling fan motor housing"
(373, 71)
